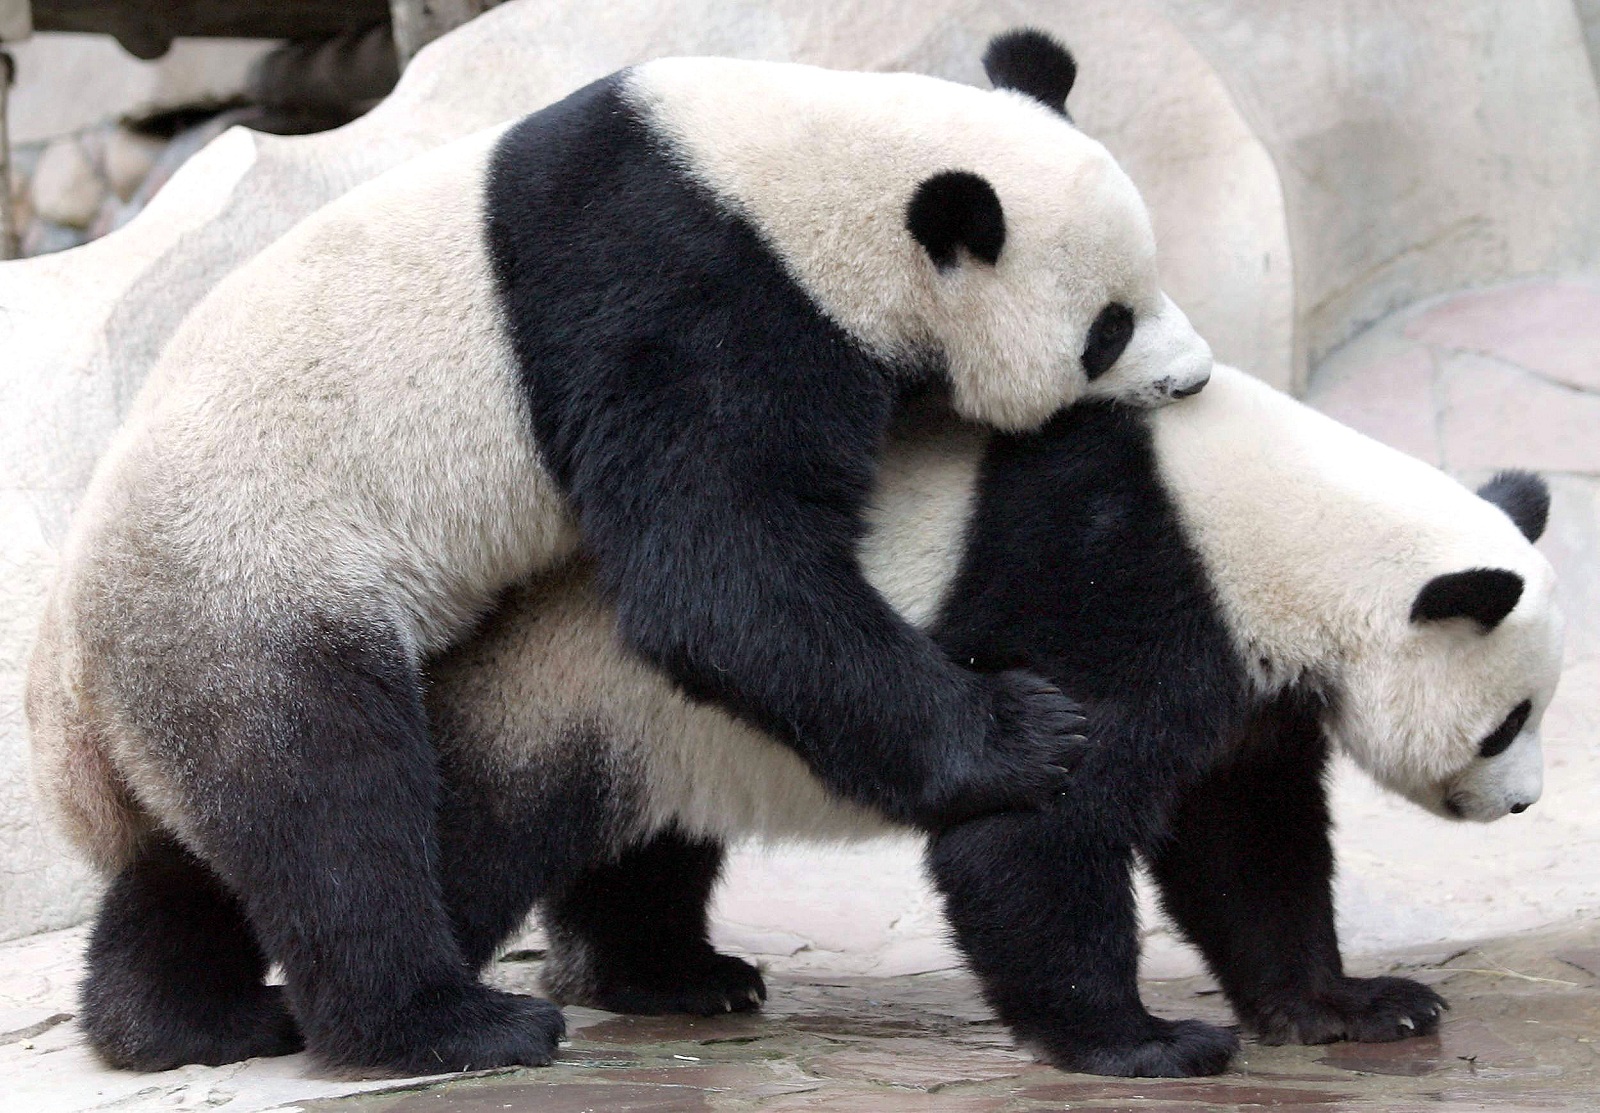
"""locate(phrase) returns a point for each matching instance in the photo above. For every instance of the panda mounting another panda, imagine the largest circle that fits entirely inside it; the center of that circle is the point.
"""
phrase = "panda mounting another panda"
(669, 317)
(1233, 587)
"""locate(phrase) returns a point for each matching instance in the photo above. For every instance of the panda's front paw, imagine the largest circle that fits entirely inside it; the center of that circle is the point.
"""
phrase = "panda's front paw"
(1028, 755)
(1363, 1010)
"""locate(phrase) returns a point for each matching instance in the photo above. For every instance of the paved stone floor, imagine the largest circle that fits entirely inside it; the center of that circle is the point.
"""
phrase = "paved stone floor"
(868, 1008)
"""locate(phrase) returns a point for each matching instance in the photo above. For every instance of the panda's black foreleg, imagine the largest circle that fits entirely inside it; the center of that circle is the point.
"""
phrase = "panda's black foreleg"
(1246, 872)
(631, 935)
(315, 802)
(1042, 904)
(175, 974)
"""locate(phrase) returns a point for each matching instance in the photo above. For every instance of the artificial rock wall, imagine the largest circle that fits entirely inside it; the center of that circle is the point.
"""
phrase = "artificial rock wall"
(1310, 166)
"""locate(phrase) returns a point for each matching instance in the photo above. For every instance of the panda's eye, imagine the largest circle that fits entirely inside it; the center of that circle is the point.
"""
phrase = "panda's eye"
(1108, 336)
(1498, 742)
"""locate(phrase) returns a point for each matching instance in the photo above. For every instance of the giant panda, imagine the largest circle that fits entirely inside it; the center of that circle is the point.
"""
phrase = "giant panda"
(669, 316)
(1232, 587)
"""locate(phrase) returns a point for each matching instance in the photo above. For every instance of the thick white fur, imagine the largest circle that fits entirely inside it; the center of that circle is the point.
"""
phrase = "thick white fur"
(824, 164)
(250, 460)
(1318, 540)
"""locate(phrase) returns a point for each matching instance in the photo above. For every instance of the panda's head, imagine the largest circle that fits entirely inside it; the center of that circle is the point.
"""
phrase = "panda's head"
(972, 231)
(1445, 707)
(1042, 258)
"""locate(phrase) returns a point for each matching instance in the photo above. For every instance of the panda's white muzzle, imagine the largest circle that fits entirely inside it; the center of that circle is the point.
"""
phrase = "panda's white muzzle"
(1493, 787)
(1166, 356)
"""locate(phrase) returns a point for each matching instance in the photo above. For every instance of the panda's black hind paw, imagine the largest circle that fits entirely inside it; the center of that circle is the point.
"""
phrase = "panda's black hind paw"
(708, 986)
(443, 1029)
(210, 1032)
(1170, 1049)
(1363, 1010)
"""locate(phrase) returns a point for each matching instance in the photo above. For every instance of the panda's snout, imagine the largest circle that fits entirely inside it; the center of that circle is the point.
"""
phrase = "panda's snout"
(1507, 784)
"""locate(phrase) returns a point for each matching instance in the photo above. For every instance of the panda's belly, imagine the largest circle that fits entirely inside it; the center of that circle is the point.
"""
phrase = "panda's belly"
(343, 416)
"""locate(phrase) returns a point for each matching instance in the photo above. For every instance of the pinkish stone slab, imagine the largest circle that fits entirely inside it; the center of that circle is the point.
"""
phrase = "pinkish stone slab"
(922, 1064)
(1552, 328)
(1385, 391)
(1495, 416)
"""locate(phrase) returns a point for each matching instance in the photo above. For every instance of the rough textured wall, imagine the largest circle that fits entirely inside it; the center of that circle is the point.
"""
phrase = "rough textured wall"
(1420, 147)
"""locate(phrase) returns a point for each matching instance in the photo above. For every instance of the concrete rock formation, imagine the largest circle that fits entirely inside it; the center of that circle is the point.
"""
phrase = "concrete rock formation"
(1310, 167)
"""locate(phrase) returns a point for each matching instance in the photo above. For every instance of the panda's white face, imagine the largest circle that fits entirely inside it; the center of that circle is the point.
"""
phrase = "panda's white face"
(1073, 296)
(923, 215)
(1448, 712)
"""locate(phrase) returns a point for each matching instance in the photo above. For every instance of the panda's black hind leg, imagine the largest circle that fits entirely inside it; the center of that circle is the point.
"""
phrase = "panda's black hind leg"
(1246, 871)
(175, 972)
(314, 800)
(1042, 905)
(630, 935)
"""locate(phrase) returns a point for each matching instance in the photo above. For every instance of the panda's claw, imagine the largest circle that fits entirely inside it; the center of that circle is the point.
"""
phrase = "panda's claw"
(1363, 1010)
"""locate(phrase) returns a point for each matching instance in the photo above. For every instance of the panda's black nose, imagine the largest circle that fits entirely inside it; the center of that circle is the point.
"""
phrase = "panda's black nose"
(1518, 809)
(1193, 388)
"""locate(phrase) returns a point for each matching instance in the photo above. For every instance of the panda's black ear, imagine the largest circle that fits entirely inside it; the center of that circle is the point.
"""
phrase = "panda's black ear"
(1485, 595)
(1524, 497)
(1031, 62)
(957, 209)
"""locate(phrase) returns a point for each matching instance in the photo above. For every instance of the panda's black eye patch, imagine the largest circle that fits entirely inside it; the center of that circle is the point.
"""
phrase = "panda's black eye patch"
(1108, 336)
(1498, 742)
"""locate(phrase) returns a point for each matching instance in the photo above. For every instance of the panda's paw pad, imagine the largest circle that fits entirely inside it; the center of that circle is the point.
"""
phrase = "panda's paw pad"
(709, 986)
(1362, 1010)
(1174, 1049)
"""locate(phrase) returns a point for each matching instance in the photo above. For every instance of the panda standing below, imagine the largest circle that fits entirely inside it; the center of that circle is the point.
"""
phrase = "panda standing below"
(1232, 587)
(669, 315)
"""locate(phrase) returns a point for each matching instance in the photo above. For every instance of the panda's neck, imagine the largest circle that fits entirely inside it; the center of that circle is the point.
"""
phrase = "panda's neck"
(1314, 536)
(922, 502)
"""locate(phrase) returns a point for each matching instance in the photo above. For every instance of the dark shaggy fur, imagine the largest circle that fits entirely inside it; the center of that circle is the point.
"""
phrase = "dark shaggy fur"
(1033, 63)
(722, 489)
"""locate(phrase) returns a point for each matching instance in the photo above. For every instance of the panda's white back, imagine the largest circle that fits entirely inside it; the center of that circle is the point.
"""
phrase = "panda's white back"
(367, 333)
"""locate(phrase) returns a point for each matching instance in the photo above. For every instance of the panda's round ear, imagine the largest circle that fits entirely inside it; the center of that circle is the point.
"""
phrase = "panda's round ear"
(1031, 62)
(957, 209)
(1485, 595)
(1524, 497)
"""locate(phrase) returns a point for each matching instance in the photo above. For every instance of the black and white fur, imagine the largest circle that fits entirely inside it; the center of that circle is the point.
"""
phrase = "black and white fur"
(1230, 586)
(670, 315)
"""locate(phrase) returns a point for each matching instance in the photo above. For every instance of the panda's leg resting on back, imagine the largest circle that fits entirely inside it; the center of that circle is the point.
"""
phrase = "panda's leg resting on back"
(309, 786)
(631, 935)
(175, 974)
(1246, 871)
(718, 435)
(1042, 904)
